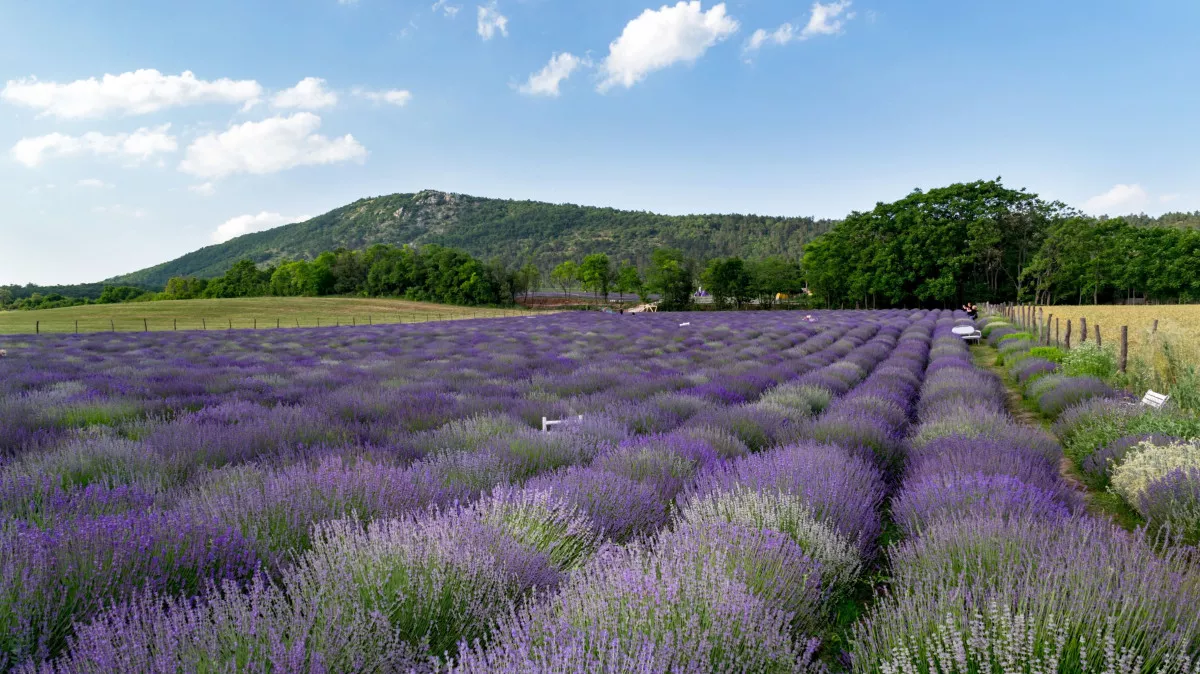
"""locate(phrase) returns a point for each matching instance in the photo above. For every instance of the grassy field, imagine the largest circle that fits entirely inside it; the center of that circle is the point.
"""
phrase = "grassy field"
(257, 312)
(1176, 322)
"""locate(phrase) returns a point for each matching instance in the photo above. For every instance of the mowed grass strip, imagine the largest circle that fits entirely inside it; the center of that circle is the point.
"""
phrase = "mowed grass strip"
(241, 313)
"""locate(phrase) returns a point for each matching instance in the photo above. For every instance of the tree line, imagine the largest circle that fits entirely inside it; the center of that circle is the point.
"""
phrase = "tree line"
(433, 273)
(982, 241)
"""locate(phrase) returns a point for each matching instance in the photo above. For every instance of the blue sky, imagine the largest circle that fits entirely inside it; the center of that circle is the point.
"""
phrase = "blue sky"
(132, 132)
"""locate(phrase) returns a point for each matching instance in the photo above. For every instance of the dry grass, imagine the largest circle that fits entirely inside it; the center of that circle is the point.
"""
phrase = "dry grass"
(257, 312)
(1178, 323)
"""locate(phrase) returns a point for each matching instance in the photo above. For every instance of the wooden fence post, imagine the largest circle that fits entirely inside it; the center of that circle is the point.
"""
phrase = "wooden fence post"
(77, 326)
(1057, 332)
(255, 322)
(203, 325)
(112, 326)
(1124, 359)
(37, 327)
(145, 326)
(1068, 342)
(175, 324)
(276, 323)
(1049, 322)
(1099, 340)
(1082, 329)
(1155, 328)
(231, 324)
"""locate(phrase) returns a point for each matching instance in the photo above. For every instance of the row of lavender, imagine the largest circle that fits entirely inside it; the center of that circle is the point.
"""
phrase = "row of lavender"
(143, 472)
(1149, 457)
(1000, 571)
(760, 549)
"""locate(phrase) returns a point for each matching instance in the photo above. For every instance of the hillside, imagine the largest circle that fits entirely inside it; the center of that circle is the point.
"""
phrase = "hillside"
(486, 228)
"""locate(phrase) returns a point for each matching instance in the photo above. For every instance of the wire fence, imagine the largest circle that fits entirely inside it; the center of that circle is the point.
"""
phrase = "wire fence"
(192, 323)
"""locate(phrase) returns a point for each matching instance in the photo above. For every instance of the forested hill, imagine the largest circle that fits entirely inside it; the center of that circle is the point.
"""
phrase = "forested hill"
(515, 231)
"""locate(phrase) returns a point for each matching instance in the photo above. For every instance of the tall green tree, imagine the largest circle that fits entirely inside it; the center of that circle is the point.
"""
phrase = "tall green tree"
(672, 276)
(595, 274)
(729, 281)
(565, 275)
(968, 241)
(628, 280)
(530, 279)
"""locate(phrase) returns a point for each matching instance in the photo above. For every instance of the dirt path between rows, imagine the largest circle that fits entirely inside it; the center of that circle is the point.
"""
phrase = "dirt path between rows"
(985, 357)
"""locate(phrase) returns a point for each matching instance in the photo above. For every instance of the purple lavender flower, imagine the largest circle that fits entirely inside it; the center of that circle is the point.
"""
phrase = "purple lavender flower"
(844, 489)
(639, 610)
(936, 497)
(620, 508)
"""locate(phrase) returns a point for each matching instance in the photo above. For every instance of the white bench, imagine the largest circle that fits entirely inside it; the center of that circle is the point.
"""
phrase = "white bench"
(685, 324)
(968, 333)
(1155, 400)
(547, 423)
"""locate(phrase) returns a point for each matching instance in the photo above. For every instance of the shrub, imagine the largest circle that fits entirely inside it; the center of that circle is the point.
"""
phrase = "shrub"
(643, 610)
(1149, 462)
(1076, 590)
(233, 628)
(1171, 505)
(770, 564)
(1087, 359)
(49, 579)
(786, 514)
(947, 497)
(543, 522)
(1032, 368)
(276, 509)
(1015, 335)
(436, 581)
(1095, 423)
(1063, 392)
(619, 507)
(843, 490)
(993, 325)
(1050, 353)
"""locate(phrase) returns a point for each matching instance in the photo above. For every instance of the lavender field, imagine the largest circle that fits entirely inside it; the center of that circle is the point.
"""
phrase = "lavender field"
(748, 493)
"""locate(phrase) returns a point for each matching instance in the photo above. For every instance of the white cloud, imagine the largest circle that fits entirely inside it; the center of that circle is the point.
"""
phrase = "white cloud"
(137, 146)
(490, 21)
(545, 82)
(245, 224)
(272, 145)
(133, 93)
(398, 97)
(203, 189)
(658, 39)
(825, 20)
(782, 35)
(347, 2)
(1168, 198)
(446, 8)
(308, 94)
(93, 182)
(1121, 198)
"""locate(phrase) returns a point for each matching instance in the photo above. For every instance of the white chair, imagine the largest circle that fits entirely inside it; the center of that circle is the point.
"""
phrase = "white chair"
(1155, 400)
(547, 423)
(968, 333)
